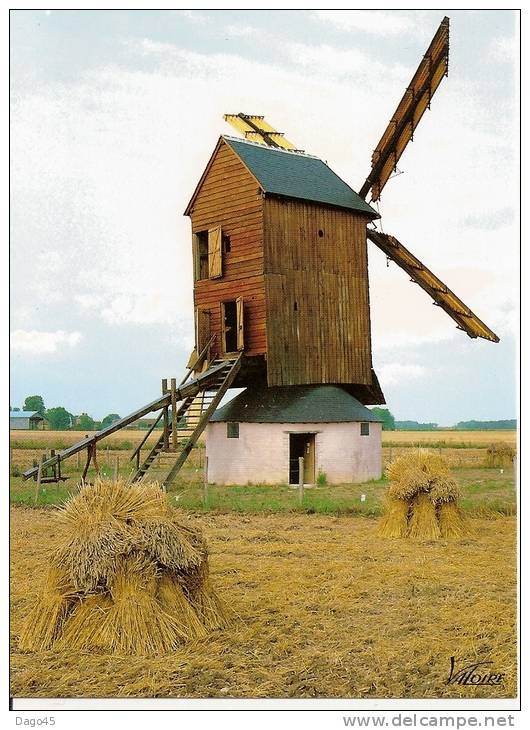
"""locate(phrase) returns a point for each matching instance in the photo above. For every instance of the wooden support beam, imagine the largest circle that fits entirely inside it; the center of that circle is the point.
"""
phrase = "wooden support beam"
(166, 428)
(39, 477)
(95, 457)
(174, 439)
(88, 460)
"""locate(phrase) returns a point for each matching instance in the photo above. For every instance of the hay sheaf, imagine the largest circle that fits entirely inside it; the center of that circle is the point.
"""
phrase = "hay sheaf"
(422, 499)
(125, 577)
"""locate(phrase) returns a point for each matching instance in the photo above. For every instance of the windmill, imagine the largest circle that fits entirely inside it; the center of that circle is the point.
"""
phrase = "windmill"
(280, 268)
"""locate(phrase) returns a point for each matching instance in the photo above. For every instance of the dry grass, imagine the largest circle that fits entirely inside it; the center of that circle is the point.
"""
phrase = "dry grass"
(482, 438)
(326, 609)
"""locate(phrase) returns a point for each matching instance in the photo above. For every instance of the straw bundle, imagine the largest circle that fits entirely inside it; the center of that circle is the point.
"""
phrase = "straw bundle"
(125, 577)
(499, 455)
(451, 519)
(395, 519)
(422, 499)
(54, 601)
(423, 523)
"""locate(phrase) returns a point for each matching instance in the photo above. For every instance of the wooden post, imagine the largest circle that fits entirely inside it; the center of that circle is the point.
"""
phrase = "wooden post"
(89, 455)
(174, 413)
(116, 467)
(39, 477)
(300, 479)
(205, 484)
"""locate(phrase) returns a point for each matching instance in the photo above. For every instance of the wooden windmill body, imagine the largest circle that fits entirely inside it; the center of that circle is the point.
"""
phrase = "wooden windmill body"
(280, 268)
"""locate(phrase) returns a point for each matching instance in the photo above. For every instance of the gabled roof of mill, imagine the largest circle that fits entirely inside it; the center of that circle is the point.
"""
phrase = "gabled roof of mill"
(295, 404)
(292, 175)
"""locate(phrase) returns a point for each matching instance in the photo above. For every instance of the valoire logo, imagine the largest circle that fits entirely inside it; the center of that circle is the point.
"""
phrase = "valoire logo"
(474, 674)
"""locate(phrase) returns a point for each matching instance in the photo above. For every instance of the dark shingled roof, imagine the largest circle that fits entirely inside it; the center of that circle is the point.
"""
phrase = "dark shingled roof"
(294, 404)
(296, 175)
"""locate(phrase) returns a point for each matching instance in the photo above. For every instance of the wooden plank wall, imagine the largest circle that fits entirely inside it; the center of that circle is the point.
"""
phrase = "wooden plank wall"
(230, 197)
(318, 314)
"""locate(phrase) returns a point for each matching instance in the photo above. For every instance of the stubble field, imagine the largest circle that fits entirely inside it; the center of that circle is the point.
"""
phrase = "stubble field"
(325, 608)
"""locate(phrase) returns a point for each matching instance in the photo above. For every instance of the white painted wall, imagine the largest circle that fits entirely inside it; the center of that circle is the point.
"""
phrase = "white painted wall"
(261, 453)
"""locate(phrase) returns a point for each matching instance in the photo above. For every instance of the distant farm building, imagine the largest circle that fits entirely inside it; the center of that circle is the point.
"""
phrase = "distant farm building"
(26, 421)
(260, 435)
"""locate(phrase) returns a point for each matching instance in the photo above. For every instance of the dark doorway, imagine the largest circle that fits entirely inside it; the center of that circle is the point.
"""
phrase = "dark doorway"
(302, 444)
(229, 313)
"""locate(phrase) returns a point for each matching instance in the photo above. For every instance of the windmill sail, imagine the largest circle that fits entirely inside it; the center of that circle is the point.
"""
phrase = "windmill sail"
(443, 297)
(417, 98)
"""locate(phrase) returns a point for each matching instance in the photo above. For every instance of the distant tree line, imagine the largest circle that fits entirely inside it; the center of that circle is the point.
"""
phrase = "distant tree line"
(508, 424)
(415, 426)
(59, 419)
(390, 424)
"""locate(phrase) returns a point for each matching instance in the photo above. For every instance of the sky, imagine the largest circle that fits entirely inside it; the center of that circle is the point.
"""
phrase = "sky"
(114, 115)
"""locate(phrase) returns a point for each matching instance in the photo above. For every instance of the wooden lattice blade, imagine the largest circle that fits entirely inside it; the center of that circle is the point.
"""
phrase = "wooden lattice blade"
(256, 129)
(416, 99)
(440, 292)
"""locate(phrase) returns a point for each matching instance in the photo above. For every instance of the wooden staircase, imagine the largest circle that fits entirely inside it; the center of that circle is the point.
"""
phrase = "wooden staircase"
(171, 450)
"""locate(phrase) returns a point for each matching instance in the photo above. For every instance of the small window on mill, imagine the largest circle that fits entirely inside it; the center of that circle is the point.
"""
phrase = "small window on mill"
(365, 429)
(232, 430)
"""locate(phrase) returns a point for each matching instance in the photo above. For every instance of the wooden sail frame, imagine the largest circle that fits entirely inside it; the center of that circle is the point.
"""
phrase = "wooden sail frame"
(416, 99)
(443, 297)
(256, 129)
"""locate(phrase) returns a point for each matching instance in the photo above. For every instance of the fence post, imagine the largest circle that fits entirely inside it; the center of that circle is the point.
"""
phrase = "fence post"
(300, 479)
(174, 413)
(205, 484)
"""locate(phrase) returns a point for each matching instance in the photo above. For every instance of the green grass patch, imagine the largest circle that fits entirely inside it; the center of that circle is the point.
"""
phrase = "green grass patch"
(486, 492)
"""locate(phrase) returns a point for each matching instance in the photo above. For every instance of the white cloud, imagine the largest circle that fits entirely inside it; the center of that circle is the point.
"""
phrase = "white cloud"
(237, 30)
(396, 373)
(504, 49)
(328, 60)
(193, 17)
(375, 22)
(42, 343)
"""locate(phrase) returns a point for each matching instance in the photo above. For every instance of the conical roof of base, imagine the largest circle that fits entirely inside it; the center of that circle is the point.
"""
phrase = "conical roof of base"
(294, 404)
